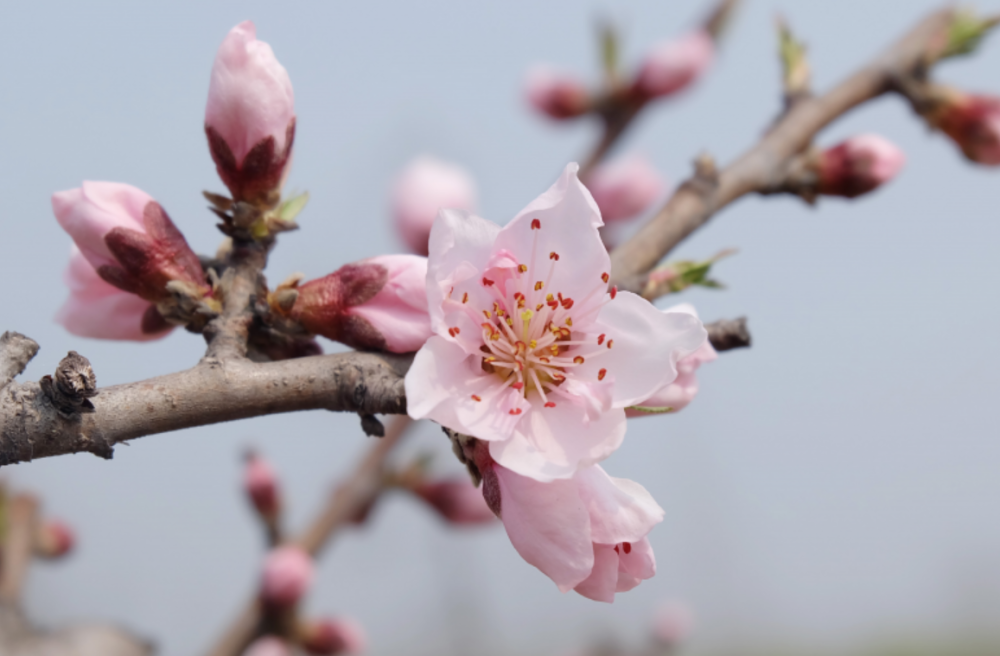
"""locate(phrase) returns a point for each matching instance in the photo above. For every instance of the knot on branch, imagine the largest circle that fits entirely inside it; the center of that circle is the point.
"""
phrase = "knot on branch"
(73, 387)
(372, 426)
(728, 334)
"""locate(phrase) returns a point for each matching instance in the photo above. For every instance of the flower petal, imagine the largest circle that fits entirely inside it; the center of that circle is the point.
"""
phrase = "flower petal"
(620, 510)
(457, 238)
(637, 565)
(603, 580)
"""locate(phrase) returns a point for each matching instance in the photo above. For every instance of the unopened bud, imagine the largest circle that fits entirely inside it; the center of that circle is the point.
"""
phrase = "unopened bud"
(424, 187)
(672, 624)
(673, 65)
(858, 166)
(457, 500)
(54, 539)
(333, 636)
(625, 188)
(973, 123)
(287, 575)
(261, 485)
(556, 94)
(268, 646)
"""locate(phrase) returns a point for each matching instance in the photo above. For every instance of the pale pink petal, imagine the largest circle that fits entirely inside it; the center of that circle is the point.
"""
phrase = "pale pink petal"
(399, 310)
(620, 510)
(426, 186)
(89, 212)
(639, 561)
(268, 646)
(553, 443)
(548, 525)
(603, 579)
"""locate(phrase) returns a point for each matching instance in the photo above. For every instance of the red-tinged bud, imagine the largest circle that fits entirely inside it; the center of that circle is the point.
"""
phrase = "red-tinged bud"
(250, 117)
(556, 94)
(457, 500)
(268, 646)
(858, 166)
(424, 187)
(261, 485)
(376, 304)
(288, 573)
(673, 65)
(129, 240)
(54, 539)
(973, 123)
(625, 188)
(332, 636)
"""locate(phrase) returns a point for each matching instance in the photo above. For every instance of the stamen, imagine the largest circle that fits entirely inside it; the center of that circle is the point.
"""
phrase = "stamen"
(518, 386)
(522, 268)
(614, 292)
(610, 342)
(515, 411)
(486, 313)
(536, 224)
(487, 282)
(601, 374)
(454, 331)
(578, 359)
(465, 297)
(554, 256)
(627, 547)
(569, 321)
(476, 398)
(539, 285)
(600, 339)
(605, 277)
(550, 404)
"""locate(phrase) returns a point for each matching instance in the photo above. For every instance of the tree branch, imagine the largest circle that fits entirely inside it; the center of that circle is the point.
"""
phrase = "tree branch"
(16, 351)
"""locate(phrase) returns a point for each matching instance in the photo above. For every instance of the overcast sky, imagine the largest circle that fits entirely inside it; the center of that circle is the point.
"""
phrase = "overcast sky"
(836, 483)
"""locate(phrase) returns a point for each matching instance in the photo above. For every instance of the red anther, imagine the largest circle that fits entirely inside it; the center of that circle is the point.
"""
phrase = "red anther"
(520, 347)
(487, 326)
(465, 297)
(553, 304)
(486, 313)
(550, 404)
(614, 291)
(518, 296)
(578, 359)
(515, 411)
(605, 277)
(600, 339)
(610, 342)
(536, 224)
(454, 331)
(564, 333)
(487, 282)
(567, 303)
(601, 374)
(476, 398)
(627, 547)
(518, 386)
(554, 256)
(544, 360)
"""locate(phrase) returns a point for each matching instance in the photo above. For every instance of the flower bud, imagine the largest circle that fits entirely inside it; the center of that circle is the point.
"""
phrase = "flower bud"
(261, 485)
(54, 539)
(288, 573)
(376, 304)
(268, 646)
(556, 94)
(99, 310)
(672, 624)
(127, 237)
(673, 65)
(858, 166)
(973, 122)
(625, 188)
(457, 500)
(426, 186)
(250, 117)
(333, 636)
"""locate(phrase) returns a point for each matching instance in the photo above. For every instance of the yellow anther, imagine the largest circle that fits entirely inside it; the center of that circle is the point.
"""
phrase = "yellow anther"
(539, 285)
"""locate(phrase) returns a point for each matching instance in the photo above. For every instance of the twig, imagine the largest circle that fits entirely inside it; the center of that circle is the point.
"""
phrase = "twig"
(18, 546)
(16, 351)
(350, 498)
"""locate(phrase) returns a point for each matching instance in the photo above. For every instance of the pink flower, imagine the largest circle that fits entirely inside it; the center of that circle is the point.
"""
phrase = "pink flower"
(250, 115)
(128, 239)
(334, 636)
(532, 351)
(457, 500)
(556, 94)
(672, 624)
(97, 309)
(973, 122)
(268, 646)
(261, 485)
(288, 573)
(54, 539)
(425, 186)
(673, 65)
(677, 394)
(858, 165)
(625, 187)
(378, 303)
(586, 533)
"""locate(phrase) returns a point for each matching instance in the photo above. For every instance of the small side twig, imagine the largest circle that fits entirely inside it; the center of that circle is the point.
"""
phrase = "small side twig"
(16, 351)
(18, 546)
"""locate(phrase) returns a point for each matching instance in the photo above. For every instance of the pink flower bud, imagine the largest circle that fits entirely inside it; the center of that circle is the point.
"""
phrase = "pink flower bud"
(457, 500)
(673, 65)
(426, 186)
(672, 624)
(378, 303)
(858, 165)
(261, 485)
(973, 122)
(556, 94)
(97, 309)
(128, 239)
(625, 188)
(288, 573)
(268, 646)
(54, 539)
(250, 116)
(333, 636)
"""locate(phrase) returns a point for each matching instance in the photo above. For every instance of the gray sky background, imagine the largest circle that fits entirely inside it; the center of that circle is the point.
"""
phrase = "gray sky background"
(833, 485)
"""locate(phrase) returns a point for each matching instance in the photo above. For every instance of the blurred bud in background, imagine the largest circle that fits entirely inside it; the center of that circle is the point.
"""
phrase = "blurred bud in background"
(330, 636)
(858, 166)
(556, 94)
(287, 575)
(625, 187)
(672, 625)
(424, 187)
(54, 539)
(674, 65)
(972, 121)
(268, 646)
(457, 500)
(260, 482)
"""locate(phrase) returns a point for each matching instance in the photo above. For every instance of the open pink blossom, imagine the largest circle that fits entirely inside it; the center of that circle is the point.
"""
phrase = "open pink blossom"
(268, 646)
(250, 115)
(423, 188)
(97, 309)
(378, 303)
(673, 65)
(532, 351)
(330, 636)
(557, 94)
(859, 165)
(625, 187)
(587, 533)
(677, 394)
(456, 500)
(288, 573)
(973, 123)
